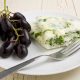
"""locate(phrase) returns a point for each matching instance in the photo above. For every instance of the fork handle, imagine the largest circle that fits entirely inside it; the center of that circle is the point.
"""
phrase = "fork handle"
(17, 67)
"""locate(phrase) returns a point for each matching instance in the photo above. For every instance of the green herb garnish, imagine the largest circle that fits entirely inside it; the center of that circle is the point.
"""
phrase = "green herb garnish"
(38, 34)
(32, 33)
(78, 32)
(59, 40)
(68, 24)
(51, 41)
(44, 20)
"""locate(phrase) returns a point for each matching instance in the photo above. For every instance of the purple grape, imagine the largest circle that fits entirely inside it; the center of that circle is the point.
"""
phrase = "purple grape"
(25, 39)
(21, 51)
(18, 16)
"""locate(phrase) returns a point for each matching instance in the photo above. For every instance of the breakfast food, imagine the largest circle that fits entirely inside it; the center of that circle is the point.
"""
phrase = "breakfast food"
(14, 32)
(53, 32)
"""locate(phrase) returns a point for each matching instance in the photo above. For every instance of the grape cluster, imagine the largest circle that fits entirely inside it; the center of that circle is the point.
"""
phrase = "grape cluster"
(14, 32)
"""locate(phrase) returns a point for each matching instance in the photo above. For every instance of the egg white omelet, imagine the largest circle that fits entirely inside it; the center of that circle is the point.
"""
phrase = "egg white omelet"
(53, 32)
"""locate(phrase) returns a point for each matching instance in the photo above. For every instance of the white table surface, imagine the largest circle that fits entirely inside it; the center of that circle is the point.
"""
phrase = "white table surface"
(71, 7)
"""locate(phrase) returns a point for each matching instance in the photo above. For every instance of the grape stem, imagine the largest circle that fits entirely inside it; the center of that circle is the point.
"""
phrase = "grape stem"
(7, 12)
(17, 33)
(5, 5)
(14, 20)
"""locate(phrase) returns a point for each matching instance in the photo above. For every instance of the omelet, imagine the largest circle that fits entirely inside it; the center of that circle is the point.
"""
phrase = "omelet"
(54, 32)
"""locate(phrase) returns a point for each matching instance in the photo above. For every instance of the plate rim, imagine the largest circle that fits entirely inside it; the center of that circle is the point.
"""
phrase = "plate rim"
(62, 14)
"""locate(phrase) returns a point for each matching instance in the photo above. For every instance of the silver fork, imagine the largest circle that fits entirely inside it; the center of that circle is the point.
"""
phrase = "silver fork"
(60, 55)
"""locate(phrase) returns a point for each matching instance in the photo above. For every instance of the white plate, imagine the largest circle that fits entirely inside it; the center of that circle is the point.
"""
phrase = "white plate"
(42, 66)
